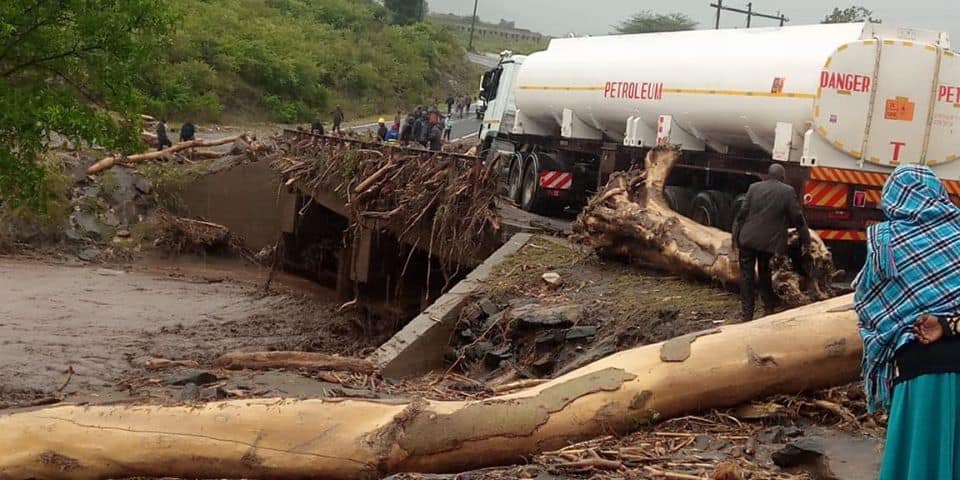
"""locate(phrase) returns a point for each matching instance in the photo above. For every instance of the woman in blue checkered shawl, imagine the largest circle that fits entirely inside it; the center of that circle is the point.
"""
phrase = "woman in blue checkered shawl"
(906, 296)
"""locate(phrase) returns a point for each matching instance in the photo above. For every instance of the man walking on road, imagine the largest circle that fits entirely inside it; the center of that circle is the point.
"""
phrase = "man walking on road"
(338, 118)
(760, 232)
(449, 104)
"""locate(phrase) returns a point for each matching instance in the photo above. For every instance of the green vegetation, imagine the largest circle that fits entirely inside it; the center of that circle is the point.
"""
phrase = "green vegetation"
(290, 60)
(83, 70)
(497, 44)
(168, 181)
(406, 12)
(64, 67)
(851, 14)
(650, 22)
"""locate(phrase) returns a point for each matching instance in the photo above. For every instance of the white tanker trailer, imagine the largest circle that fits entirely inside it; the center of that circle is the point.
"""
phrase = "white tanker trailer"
(838, 105)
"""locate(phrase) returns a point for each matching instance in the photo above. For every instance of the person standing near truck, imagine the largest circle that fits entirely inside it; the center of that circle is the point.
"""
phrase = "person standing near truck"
(760, 232)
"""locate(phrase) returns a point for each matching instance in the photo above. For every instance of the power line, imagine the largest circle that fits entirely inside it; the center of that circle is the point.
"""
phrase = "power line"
(748, 12)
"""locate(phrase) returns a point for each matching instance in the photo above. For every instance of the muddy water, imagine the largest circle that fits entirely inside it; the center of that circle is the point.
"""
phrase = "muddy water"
(244, 198)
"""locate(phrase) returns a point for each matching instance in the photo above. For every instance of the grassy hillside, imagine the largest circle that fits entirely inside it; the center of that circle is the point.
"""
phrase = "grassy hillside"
(288, 60)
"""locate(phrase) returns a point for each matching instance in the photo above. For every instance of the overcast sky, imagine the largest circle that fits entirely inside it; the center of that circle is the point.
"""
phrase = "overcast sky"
(558, 17)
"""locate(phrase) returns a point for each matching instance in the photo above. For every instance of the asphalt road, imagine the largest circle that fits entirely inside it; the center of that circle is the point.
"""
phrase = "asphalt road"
(462, 127)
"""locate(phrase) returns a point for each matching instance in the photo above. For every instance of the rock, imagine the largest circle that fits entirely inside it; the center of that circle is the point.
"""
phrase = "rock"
(467, 334)
(87, 222)
(198, 377)
(490, 322)
(142, 185)
(493, 358)
(213, 393)
(577, 333)
(834, 455)
(553, 279)
(110, 219)
(778, 434)
(89, 254)
(478, 350)
(558, 316)
(545, 362)
(190, 393)
(802, 451)
(123, 233)
(488, 307)
(549, 337)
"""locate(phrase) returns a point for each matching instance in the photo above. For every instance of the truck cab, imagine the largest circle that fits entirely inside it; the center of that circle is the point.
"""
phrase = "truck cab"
(497, 93)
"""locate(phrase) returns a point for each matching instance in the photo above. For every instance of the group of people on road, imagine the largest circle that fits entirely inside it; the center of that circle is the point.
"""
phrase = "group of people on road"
(425, 126)
(907, 299)
(187, 133)
(459, 104)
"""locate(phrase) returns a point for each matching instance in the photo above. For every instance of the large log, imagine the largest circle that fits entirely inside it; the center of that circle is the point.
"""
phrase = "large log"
(811, 347)
(109, 162)
(294, 360)
(632, 218)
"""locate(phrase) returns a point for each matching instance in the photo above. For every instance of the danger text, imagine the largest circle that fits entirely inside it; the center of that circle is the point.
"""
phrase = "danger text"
(633, 90)
(849, 82)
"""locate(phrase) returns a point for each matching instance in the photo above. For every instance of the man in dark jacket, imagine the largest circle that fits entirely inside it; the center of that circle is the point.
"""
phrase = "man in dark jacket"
(760, 232)
(435, 137)
(337, 117)
(316, 127)
(187, 132)
(162, 140)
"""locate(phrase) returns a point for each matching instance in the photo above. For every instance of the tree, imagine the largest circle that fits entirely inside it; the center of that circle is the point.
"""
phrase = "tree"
(406, 12)
(853, 14)
(649, 22)
(70, 68)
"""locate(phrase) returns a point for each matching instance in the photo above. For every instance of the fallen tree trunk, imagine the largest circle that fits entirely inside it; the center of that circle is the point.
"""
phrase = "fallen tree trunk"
(308, 360)
(807, 348)
(632, 218)
(109, 162)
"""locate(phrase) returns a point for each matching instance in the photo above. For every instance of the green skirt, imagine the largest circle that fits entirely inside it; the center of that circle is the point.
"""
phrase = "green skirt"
(923, 432)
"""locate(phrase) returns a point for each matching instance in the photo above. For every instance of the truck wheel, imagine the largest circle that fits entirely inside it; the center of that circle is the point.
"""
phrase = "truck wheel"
(679, 199)
(711, 208)
(531, 196)
(515, 180)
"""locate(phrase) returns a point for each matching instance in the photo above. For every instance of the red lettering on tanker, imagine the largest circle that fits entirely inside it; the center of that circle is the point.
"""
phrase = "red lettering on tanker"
(847, 82)
(948, 94)
(633, 90)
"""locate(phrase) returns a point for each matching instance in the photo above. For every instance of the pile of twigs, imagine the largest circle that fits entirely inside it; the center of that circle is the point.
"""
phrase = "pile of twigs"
(186, 235)
(442, 203)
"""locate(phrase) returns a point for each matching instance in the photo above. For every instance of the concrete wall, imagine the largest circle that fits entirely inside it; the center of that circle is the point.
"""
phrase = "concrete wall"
(419, 347)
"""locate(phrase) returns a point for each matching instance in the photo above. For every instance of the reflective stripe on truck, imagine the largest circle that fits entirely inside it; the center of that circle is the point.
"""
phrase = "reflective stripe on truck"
(556, 180)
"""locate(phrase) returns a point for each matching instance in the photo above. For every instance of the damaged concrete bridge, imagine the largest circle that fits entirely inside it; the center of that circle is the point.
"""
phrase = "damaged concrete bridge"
(387, 226)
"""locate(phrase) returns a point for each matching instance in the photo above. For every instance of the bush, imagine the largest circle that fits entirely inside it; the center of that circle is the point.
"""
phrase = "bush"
(297, 58)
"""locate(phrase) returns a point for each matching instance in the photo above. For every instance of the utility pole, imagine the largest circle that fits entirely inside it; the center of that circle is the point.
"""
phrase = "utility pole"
(748, 12)
(420, 10)
(473, 24)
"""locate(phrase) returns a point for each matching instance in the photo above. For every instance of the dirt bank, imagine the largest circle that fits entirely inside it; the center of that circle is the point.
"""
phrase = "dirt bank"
(104, 322)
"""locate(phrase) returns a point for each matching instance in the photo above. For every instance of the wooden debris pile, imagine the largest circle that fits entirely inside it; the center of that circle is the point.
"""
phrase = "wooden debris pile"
(186, 235)
(443, 203)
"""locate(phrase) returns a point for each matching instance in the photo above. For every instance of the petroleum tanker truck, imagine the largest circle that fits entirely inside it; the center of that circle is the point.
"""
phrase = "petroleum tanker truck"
(838, 105)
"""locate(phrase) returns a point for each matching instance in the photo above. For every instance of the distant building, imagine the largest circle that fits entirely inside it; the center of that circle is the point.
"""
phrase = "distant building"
(505, 29)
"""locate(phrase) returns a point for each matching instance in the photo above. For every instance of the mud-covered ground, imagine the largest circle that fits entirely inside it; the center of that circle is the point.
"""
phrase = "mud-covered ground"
(524, 327)
(104, 323)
